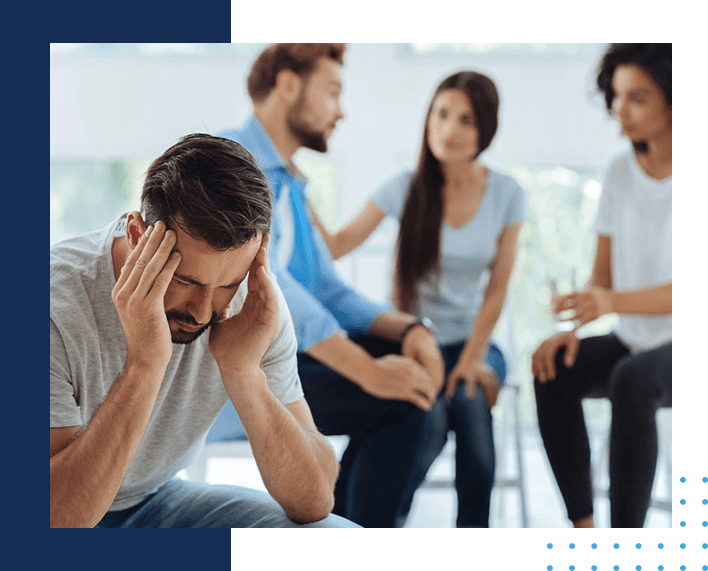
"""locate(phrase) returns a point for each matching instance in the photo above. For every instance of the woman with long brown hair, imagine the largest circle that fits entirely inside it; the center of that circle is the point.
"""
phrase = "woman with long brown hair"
(459, 227)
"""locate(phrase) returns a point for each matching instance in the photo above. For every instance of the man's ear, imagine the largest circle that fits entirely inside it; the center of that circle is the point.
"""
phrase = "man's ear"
(288, 85)
(134, 228)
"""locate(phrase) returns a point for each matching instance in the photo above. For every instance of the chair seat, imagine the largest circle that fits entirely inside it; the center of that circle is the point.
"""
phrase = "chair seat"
(227, 427)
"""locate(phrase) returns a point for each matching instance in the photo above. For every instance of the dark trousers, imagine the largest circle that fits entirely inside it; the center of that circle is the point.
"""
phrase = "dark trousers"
(383, 438)
(636, 385)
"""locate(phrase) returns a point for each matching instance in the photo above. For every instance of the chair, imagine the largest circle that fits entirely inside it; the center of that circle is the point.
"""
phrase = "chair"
(507, 427)
(226, 439)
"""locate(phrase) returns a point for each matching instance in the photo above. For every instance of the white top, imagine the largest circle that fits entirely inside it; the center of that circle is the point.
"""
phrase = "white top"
(635, 212)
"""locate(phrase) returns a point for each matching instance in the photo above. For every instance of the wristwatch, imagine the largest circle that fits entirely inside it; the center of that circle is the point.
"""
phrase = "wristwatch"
(425, 322)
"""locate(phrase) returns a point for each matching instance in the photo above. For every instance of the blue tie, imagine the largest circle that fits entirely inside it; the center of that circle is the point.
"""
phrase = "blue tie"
(303, 262)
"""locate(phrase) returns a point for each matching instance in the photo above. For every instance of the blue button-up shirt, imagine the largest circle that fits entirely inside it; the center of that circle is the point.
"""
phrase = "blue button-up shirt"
(321, 304)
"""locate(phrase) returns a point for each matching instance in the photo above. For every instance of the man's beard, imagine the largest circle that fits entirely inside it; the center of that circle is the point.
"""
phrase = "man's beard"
(181, 337)
(305, 135)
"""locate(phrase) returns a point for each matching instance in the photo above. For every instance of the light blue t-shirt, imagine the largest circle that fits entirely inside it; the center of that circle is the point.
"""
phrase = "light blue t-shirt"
(454, 299)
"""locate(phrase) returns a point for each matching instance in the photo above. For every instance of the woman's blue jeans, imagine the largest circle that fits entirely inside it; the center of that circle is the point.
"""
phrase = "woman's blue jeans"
(471, 421)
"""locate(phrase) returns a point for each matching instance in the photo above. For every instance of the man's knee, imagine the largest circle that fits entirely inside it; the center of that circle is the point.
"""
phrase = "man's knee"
(332, 521)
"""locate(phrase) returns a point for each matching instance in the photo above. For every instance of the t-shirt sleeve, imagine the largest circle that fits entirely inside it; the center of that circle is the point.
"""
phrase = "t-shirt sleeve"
(604, 219)
(518, 203)
(280, 361)
(63, 409)
(391, 195)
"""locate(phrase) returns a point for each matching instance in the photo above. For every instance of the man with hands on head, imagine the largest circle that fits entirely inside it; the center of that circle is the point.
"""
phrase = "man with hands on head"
(134, 383)
(368, 371)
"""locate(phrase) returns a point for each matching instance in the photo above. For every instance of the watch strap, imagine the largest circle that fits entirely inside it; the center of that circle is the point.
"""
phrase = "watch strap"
(410, 326)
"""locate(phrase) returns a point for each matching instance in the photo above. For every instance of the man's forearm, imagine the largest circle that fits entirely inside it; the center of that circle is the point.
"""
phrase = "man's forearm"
(346, 358)
(86, 473)
(297, 464)
(391, 325)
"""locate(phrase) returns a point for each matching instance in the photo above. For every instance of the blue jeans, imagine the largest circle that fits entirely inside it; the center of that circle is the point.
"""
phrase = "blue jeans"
(471, 421)
(383, 438)
(181, 503)
(636, 384)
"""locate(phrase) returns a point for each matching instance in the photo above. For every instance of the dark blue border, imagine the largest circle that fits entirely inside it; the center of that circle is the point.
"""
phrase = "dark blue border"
(35, 26)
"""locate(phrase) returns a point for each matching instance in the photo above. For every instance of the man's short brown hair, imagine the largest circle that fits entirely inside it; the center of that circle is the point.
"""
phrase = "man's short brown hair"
(212, 188)
(300, 58)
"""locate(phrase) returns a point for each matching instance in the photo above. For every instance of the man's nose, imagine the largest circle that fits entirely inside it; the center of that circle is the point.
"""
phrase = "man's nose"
(200, 307)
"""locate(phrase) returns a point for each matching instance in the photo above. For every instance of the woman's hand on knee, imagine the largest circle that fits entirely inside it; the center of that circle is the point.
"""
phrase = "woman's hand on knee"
(474, 374)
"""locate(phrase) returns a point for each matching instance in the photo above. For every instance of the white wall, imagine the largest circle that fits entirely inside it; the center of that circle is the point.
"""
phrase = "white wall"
(133, 107)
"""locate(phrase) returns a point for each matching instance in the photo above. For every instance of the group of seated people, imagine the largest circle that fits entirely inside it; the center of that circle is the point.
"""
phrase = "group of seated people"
(225, 241)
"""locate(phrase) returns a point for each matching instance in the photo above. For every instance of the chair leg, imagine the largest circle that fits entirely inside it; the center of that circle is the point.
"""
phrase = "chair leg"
(511, 408)
(519, 459)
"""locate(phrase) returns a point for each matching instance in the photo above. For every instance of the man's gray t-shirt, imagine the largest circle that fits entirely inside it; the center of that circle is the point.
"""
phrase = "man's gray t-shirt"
(88, 352)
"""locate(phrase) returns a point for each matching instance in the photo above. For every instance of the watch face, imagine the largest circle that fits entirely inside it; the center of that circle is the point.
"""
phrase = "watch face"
(428, 324)
(425, 322)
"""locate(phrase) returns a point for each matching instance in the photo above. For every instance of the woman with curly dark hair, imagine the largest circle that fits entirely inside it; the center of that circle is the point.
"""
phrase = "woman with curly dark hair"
(631, 277)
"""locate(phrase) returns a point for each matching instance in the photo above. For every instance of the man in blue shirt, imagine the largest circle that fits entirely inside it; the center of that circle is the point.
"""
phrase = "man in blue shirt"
(367, 370)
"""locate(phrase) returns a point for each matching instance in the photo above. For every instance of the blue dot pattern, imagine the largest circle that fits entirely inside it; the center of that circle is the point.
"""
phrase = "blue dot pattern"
(643, 550)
